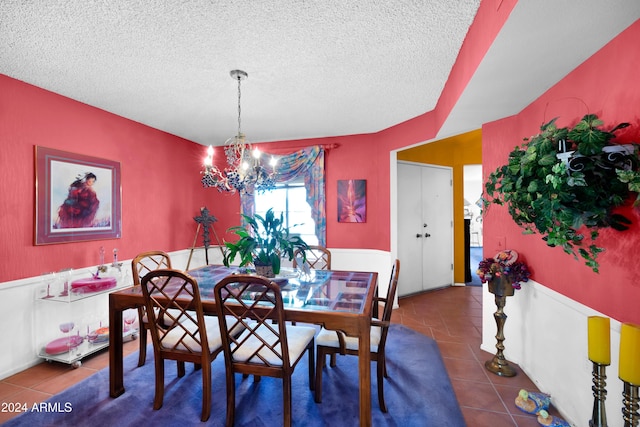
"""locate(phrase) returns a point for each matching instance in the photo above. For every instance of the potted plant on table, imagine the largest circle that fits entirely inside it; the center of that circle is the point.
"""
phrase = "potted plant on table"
(263, 242)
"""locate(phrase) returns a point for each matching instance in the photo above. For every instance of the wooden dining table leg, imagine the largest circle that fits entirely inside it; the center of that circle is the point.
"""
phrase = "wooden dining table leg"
(364, 368)
(116, 370)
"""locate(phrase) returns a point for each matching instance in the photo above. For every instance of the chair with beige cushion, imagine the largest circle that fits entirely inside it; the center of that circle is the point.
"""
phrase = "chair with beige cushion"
(268, 346)
(336, 342)
(142, 264)
(180, 334)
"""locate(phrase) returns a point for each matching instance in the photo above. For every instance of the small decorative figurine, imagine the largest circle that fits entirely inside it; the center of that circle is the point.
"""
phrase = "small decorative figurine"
(115, 263)
(544, 419)
(531, 402)
(102, 268)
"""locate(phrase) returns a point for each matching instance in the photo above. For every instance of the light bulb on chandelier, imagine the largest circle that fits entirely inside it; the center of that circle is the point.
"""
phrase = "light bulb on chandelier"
(244, 171)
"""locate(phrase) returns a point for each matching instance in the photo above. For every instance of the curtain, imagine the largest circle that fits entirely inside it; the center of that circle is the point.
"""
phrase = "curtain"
(309, 163)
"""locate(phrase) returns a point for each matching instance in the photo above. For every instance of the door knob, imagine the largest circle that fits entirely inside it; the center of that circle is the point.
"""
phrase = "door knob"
(418, 235)
(427, 235)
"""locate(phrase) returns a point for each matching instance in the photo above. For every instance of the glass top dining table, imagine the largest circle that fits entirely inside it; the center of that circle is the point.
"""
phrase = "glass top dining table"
(337, 300)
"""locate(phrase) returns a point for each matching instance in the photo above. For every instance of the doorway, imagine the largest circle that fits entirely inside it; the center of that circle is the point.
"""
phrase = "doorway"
(425, 228)
(472, 190)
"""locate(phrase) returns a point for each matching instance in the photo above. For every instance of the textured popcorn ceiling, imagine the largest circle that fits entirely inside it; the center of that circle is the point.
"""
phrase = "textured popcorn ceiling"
(316, 67)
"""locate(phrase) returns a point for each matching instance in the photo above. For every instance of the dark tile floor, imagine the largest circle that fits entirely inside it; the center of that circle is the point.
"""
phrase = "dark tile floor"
(452, 316)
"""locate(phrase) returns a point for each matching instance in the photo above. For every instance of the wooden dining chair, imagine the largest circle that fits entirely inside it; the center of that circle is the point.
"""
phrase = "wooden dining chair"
(336, 342)
(142, 264)
(317, 257)
(268, 346)
(180, 334)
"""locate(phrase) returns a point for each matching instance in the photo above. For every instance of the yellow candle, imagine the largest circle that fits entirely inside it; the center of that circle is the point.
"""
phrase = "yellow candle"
(599, 340)
(630, 353)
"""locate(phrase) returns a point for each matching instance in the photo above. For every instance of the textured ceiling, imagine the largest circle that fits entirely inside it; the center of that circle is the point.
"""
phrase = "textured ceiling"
(316, 68)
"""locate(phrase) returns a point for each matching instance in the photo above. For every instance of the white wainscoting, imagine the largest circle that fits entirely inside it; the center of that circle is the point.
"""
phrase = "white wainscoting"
(18, 298)
(18, 311)
(20, 331)
(546, 335)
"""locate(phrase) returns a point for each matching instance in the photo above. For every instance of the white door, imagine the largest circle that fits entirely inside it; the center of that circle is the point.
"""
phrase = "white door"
(425, 227)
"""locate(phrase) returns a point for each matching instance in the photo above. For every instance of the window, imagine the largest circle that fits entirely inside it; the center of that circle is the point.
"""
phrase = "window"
(306, 165)
(290, 198)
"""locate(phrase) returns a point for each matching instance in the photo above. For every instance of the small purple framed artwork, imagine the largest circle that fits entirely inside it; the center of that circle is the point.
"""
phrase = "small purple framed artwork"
(352, 200)
(77, 197)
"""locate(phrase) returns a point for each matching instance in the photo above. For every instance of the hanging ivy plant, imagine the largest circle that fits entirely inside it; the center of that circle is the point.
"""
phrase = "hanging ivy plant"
(564, 181)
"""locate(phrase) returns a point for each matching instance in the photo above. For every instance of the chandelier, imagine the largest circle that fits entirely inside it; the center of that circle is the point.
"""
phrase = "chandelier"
(244, 172)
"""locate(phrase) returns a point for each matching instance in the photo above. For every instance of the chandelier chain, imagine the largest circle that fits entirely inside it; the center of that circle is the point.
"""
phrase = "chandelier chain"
(239, 108)
(244, 172)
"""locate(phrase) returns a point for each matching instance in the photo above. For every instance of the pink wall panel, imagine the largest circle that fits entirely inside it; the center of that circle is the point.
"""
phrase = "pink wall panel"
(160, 180)
(160, 172)
(601, 85)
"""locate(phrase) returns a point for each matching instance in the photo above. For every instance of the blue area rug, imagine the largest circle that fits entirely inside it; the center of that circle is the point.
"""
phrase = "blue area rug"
(418, 393)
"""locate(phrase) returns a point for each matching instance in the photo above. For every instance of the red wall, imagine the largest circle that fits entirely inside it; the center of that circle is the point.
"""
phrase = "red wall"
(161, 192)
(606, 84)
(160, 172)
(160, 175)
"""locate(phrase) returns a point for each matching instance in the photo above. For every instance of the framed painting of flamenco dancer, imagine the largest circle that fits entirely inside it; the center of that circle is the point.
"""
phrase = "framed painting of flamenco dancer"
(77, 197)
(352, 200)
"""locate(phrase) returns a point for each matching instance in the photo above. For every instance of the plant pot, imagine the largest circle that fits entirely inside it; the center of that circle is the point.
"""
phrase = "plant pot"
(619, 156)
(265, 270)
(501, 286)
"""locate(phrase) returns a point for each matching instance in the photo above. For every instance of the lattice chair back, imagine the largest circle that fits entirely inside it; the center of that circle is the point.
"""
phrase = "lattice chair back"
(388, 302)
(318, 257)
(268, 346)
(255, 303)
(174, 328)
(145, 262)
(142, 264)
(178, 333)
